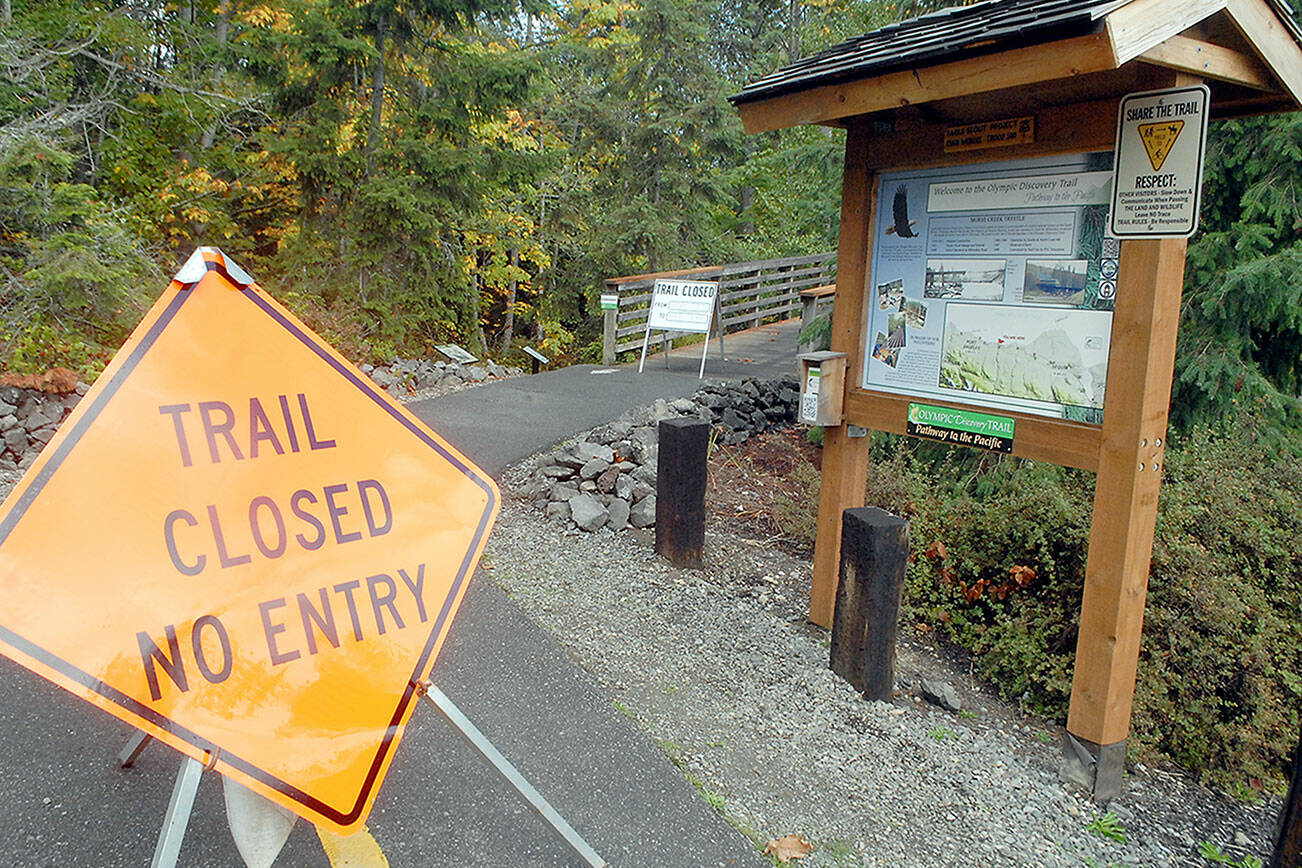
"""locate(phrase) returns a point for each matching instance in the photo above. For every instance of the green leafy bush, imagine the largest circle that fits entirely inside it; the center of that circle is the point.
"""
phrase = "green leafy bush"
(1220, 675)
(999, 563)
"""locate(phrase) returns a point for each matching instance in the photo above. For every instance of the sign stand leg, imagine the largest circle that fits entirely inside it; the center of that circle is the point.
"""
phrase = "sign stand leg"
(705, 348)
(133, 748)
(646, 338)
(178, 814)
(467, 730)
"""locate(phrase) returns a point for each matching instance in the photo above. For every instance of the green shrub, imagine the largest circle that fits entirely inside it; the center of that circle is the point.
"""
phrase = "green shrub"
(1220, 671)
(1220, 675)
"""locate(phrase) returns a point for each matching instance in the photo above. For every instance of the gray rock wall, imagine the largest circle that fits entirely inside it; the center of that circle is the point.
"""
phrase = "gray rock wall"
(607, 478)
(29, 417)
(28, 420)
(402, 378)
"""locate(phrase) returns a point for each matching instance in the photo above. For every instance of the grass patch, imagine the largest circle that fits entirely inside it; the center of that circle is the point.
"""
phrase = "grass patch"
(1107, 826)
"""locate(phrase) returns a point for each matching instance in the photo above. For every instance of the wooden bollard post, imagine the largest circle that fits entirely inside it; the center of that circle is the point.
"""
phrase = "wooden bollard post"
(874, 556)
(680, 490)
(609, 335)
(1288, 835)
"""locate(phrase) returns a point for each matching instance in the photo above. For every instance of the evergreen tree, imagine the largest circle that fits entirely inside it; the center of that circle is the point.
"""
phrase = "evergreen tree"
(1240, 341)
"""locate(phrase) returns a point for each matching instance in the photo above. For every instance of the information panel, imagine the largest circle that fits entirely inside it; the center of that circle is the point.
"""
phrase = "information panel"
(993, 285)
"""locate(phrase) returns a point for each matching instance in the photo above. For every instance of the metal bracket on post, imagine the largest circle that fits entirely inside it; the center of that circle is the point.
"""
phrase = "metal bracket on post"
(177, 817)
(467, 730)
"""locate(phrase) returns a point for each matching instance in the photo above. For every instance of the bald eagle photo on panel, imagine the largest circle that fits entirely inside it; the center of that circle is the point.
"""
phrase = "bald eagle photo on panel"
(901, 226)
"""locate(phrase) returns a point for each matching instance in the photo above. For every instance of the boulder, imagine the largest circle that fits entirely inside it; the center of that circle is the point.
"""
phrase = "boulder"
(588, 512)
(643, 513)
(594, 468)
(606, 481)
(683, 406)
(941, 693)
(646, 473)
(563, 491)
(619, 512)
(589, 451)
(567, 458)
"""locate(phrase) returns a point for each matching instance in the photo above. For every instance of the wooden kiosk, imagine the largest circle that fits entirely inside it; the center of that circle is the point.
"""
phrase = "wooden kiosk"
(1022, 82)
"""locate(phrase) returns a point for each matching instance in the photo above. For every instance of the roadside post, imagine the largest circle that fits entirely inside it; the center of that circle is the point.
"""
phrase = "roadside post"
(1288, 832)
(609, 326)
(272, 552)
(680, 491)
(1014, 215)
(874, 557)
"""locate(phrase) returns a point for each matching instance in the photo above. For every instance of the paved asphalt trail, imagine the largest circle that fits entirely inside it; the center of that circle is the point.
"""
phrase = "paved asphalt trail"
(65, 803)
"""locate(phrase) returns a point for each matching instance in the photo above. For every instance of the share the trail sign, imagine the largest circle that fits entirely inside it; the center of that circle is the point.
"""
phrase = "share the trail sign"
(240, 545)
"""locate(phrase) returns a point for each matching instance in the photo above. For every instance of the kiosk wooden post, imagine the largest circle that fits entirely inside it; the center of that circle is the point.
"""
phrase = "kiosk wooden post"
(1034, 85)
(1125, 504)
(845, 459)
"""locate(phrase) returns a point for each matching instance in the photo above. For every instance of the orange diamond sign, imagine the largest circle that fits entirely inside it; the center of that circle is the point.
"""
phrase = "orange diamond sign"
(240, 545)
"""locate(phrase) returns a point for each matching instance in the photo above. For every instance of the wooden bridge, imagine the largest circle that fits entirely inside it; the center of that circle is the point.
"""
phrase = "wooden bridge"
(750, 294)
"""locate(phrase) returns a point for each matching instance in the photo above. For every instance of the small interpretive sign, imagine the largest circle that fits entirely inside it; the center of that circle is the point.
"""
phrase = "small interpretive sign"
(456, 353)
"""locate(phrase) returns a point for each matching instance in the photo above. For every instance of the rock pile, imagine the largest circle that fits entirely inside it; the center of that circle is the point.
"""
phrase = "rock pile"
(28, 419)
(750, 406)
(607, 478)
(404, 377)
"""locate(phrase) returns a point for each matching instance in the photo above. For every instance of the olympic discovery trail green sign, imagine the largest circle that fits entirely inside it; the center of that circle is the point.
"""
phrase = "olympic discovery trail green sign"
(961, 427)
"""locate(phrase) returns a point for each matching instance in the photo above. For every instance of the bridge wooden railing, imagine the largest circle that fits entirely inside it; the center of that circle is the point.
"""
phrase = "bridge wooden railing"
(751, 294)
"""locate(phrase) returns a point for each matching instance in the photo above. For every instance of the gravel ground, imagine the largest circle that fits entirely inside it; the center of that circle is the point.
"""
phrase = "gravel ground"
(721, 668)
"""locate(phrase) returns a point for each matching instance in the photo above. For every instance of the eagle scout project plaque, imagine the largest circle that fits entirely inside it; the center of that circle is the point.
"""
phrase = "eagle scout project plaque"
(269, 550)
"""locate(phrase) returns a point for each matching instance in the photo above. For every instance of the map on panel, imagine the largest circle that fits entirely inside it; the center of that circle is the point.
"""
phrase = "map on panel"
(993, 285)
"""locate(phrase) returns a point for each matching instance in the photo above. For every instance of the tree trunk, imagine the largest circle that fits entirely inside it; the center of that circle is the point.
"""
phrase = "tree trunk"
(747, 196)
(6, 13)
(793, 30)
(508, 324)
(221, 33)
(377, 94)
